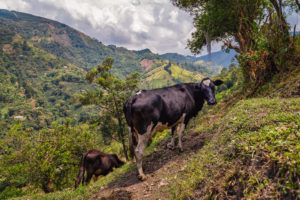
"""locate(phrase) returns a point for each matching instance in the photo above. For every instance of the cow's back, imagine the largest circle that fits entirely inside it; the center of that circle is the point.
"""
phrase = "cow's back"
(164, 105)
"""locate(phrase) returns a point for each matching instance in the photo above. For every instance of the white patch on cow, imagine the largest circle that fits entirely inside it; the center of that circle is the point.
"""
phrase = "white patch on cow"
(160, 126)
(139, 92)
(206, 82)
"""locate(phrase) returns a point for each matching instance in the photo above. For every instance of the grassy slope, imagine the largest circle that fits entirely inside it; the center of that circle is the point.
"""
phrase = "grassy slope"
(253, 154)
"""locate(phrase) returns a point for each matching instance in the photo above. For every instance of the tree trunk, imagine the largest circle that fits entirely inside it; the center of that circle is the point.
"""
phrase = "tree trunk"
(282, 20)
(121, 137)
(208, 45)
(124, 149)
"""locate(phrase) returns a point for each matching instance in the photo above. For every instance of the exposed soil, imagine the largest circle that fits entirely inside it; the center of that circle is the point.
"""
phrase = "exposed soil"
(147, 64)
(157, 166)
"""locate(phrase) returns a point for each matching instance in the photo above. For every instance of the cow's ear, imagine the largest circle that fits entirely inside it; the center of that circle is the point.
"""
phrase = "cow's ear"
(218, 82)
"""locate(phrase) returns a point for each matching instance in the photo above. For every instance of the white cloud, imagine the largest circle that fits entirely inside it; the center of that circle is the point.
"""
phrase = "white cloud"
(134, 24)
(14, 5)
(173, 16)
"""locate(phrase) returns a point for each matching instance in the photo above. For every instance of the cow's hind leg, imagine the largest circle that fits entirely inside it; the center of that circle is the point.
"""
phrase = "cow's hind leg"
(171, 144)
(182, 126)
(139, 150)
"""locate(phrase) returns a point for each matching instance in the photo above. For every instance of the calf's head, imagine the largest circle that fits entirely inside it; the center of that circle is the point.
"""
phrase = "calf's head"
(208, 90)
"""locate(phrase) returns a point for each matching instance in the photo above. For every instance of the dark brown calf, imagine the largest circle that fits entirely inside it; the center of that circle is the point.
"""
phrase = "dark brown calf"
(96, 163)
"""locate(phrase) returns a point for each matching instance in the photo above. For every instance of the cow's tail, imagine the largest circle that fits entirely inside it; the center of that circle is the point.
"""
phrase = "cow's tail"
(81, 172)
(128, 115)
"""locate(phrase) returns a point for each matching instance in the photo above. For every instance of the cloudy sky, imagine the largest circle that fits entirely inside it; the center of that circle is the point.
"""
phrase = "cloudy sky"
(134, 24)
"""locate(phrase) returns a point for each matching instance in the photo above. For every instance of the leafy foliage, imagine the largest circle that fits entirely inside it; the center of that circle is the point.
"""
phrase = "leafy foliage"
(47, 159)
(256, 29)
(110, 96)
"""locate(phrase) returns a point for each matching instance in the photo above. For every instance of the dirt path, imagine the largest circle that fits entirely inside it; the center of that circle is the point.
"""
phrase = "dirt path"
(158, 166)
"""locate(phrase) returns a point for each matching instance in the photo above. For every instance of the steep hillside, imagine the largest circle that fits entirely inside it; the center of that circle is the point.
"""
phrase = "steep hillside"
(70, 44)
(167, 74)
(240, 149)
(36, 87)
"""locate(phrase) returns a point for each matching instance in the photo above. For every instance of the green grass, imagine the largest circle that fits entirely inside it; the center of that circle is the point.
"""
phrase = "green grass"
(84, 192)
(254, 154)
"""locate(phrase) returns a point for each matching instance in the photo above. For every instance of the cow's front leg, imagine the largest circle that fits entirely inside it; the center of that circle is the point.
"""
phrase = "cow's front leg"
(182, 126)
(139, 150)
(171, 144)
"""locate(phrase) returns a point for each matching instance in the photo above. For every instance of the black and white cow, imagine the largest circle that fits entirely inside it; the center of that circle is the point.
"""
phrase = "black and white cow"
(149, 111)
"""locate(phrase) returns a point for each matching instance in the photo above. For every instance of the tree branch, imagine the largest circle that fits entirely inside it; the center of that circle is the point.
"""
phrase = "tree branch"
(230, 46)
(298, 3)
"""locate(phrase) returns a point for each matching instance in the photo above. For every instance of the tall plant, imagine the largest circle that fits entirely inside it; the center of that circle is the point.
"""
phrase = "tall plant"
(110, 95)
(256, 29)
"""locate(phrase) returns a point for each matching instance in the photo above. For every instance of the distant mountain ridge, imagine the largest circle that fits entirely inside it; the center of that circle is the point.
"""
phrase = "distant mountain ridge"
(218, 58)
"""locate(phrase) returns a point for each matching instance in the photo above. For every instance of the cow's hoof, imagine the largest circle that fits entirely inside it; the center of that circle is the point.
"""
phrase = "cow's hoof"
(170, 146)
(142, 177)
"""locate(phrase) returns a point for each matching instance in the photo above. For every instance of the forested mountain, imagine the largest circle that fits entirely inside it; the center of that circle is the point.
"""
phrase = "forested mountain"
(65, 42)
(44, 62)
(36, 86)
(74, 46)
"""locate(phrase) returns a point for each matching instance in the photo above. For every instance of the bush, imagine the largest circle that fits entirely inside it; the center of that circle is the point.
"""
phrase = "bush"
(47, 159)
(10, 192)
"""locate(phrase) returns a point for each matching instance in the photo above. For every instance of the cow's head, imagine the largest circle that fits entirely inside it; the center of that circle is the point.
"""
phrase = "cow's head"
(208, 90)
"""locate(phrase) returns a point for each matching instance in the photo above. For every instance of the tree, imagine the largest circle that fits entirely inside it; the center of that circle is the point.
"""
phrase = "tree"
(110, 95)
(256, 29)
